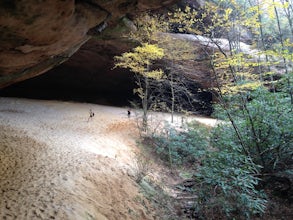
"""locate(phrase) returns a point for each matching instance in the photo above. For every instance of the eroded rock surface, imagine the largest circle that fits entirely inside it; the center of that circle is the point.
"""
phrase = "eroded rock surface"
(37, 35)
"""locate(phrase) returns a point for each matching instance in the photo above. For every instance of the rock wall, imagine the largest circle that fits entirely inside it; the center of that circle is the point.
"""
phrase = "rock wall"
(74, 42)
(37, 35)
(88, 76)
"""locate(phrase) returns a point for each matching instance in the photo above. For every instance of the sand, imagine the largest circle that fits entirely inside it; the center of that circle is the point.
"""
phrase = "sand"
(55, 164)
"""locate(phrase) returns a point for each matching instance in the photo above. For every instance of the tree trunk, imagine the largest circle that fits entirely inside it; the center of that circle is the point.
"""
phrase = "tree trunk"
(173, 98)
(145, 105)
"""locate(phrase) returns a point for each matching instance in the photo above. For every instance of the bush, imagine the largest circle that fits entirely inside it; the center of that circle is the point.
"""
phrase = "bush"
(182, 147)
(266, 128)
(228, 181)
(234, 156)
(264, 123)
(226, 177)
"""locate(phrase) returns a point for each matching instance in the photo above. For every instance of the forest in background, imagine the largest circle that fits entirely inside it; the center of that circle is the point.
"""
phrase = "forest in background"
(246, 161)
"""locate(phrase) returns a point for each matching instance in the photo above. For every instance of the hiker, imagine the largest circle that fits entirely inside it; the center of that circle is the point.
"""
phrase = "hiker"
(92, 114)
(128, 113)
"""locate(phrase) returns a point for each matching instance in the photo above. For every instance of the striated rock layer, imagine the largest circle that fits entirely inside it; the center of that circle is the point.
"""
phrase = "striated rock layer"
(37, 35)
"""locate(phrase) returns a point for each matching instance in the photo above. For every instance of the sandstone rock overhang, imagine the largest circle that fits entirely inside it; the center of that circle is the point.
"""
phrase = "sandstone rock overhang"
(38, 35)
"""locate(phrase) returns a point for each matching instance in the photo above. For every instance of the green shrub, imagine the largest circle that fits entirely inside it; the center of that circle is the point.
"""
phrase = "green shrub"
(266, 128)
(260, 141)
(233, 156)
(182, 147)
(226, 177)
(228, 183)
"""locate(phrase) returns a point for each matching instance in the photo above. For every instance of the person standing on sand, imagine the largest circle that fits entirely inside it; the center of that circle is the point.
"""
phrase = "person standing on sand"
(92, 114)
(128, 113)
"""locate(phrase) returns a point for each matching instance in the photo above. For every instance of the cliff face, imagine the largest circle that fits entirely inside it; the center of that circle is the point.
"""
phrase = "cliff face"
(37, 35)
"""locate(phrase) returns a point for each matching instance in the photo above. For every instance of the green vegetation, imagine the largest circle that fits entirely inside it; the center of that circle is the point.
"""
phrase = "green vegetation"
(255, 103)
(185, 147)
(139, 62)
(266, 133)
(226, 178)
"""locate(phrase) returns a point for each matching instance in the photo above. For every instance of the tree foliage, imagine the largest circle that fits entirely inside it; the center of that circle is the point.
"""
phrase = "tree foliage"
(140, 62)
(254, 88)
(163, 86)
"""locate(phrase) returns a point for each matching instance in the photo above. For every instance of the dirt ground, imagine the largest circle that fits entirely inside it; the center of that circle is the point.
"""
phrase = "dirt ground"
(55, 164)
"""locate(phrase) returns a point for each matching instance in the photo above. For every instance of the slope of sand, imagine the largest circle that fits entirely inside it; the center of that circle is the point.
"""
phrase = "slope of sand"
(55, 164)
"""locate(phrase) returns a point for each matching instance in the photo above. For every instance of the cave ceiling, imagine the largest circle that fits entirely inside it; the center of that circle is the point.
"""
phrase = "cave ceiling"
(38, 35)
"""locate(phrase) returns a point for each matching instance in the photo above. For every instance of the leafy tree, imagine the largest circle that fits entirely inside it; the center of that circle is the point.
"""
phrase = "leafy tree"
(148, 26)
(165, 90)
(234, 70)
(176, 52)
(259, 140)
(140, 62)
(256, 101)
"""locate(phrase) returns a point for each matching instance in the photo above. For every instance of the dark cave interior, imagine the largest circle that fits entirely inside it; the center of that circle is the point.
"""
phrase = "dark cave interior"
(69, 83)
(88, 76)
(80, 84)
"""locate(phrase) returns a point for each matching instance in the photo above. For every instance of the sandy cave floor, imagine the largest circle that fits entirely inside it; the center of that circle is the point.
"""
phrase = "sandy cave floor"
(54, 164)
